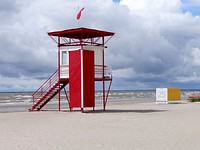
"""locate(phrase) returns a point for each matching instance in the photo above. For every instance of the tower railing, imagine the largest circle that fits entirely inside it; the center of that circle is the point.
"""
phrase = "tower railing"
(99, 71)
(64, 71)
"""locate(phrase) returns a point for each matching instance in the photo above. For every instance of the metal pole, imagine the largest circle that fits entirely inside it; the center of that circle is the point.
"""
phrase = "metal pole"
(104, 101)
(82, 78)
(58, 73)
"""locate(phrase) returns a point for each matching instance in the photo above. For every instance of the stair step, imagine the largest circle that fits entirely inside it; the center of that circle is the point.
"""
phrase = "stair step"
(53, 91)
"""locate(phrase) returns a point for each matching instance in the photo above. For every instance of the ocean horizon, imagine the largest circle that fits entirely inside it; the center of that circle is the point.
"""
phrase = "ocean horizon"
(115, 90)
(22, 100)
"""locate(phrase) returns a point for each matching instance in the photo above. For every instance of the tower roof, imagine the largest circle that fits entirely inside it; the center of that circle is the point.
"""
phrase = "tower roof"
(81, 33)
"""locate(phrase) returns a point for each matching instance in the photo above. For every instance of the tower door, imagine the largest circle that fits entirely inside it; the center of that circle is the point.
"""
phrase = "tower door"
(81, 78)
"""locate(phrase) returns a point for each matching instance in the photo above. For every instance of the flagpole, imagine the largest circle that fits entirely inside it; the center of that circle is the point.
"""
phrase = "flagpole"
(78, 19)
(78, 16)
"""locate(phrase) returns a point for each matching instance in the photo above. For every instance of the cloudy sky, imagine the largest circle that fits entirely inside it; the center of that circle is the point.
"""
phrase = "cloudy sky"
(157, 42)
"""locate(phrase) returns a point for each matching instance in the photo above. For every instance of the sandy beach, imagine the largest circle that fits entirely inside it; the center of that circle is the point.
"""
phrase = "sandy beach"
(128, 126)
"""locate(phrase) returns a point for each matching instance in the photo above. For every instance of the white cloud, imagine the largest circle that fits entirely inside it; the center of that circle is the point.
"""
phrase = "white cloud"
(155, 42)
(149, 7)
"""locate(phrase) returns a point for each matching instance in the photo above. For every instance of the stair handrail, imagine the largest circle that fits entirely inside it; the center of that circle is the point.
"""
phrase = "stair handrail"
(45, 86)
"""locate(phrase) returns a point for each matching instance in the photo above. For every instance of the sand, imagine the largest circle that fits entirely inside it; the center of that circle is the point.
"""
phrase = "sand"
(128, 126)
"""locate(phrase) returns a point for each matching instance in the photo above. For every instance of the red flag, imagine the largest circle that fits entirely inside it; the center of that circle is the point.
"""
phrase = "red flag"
(78, 16)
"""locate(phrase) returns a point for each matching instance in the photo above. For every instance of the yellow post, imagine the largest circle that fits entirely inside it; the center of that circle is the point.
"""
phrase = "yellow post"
(174, 94)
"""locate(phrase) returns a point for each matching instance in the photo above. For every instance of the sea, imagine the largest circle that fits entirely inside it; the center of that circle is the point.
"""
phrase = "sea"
(22, 101)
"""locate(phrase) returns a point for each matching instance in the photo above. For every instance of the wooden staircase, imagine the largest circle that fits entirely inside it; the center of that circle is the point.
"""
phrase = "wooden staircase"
(47, 91)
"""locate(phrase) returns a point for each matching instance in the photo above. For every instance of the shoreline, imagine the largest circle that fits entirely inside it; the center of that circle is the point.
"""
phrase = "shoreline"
(52, 106)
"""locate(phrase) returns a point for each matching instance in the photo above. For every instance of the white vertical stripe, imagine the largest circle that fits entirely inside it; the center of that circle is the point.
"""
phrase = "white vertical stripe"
(82, 90)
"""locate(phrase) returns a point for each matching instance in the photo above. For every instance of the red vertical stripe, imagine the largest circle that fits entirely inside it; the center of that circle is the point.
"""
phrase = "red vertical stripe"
(75, 78)
(88, 78)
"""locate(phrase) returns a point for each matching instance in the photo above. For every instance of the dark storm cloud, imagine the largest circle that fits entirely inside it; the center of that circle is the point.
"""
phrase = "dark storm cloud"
(17, 60)
(155, 43)
(9, 6)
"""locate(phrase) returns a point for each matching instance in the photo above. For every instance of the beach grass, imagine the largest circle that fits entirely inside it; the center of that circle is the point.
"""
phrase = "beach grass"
(194, 99)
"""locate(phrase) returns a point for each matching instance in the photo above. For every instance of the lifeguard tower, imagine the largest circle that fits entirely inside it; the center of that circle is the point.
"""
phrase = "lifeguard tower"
(80, 65)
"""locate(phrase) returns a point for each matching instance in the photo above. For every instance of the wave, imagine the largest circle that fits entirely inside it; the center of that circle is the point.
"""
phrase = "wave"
(26, 98)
